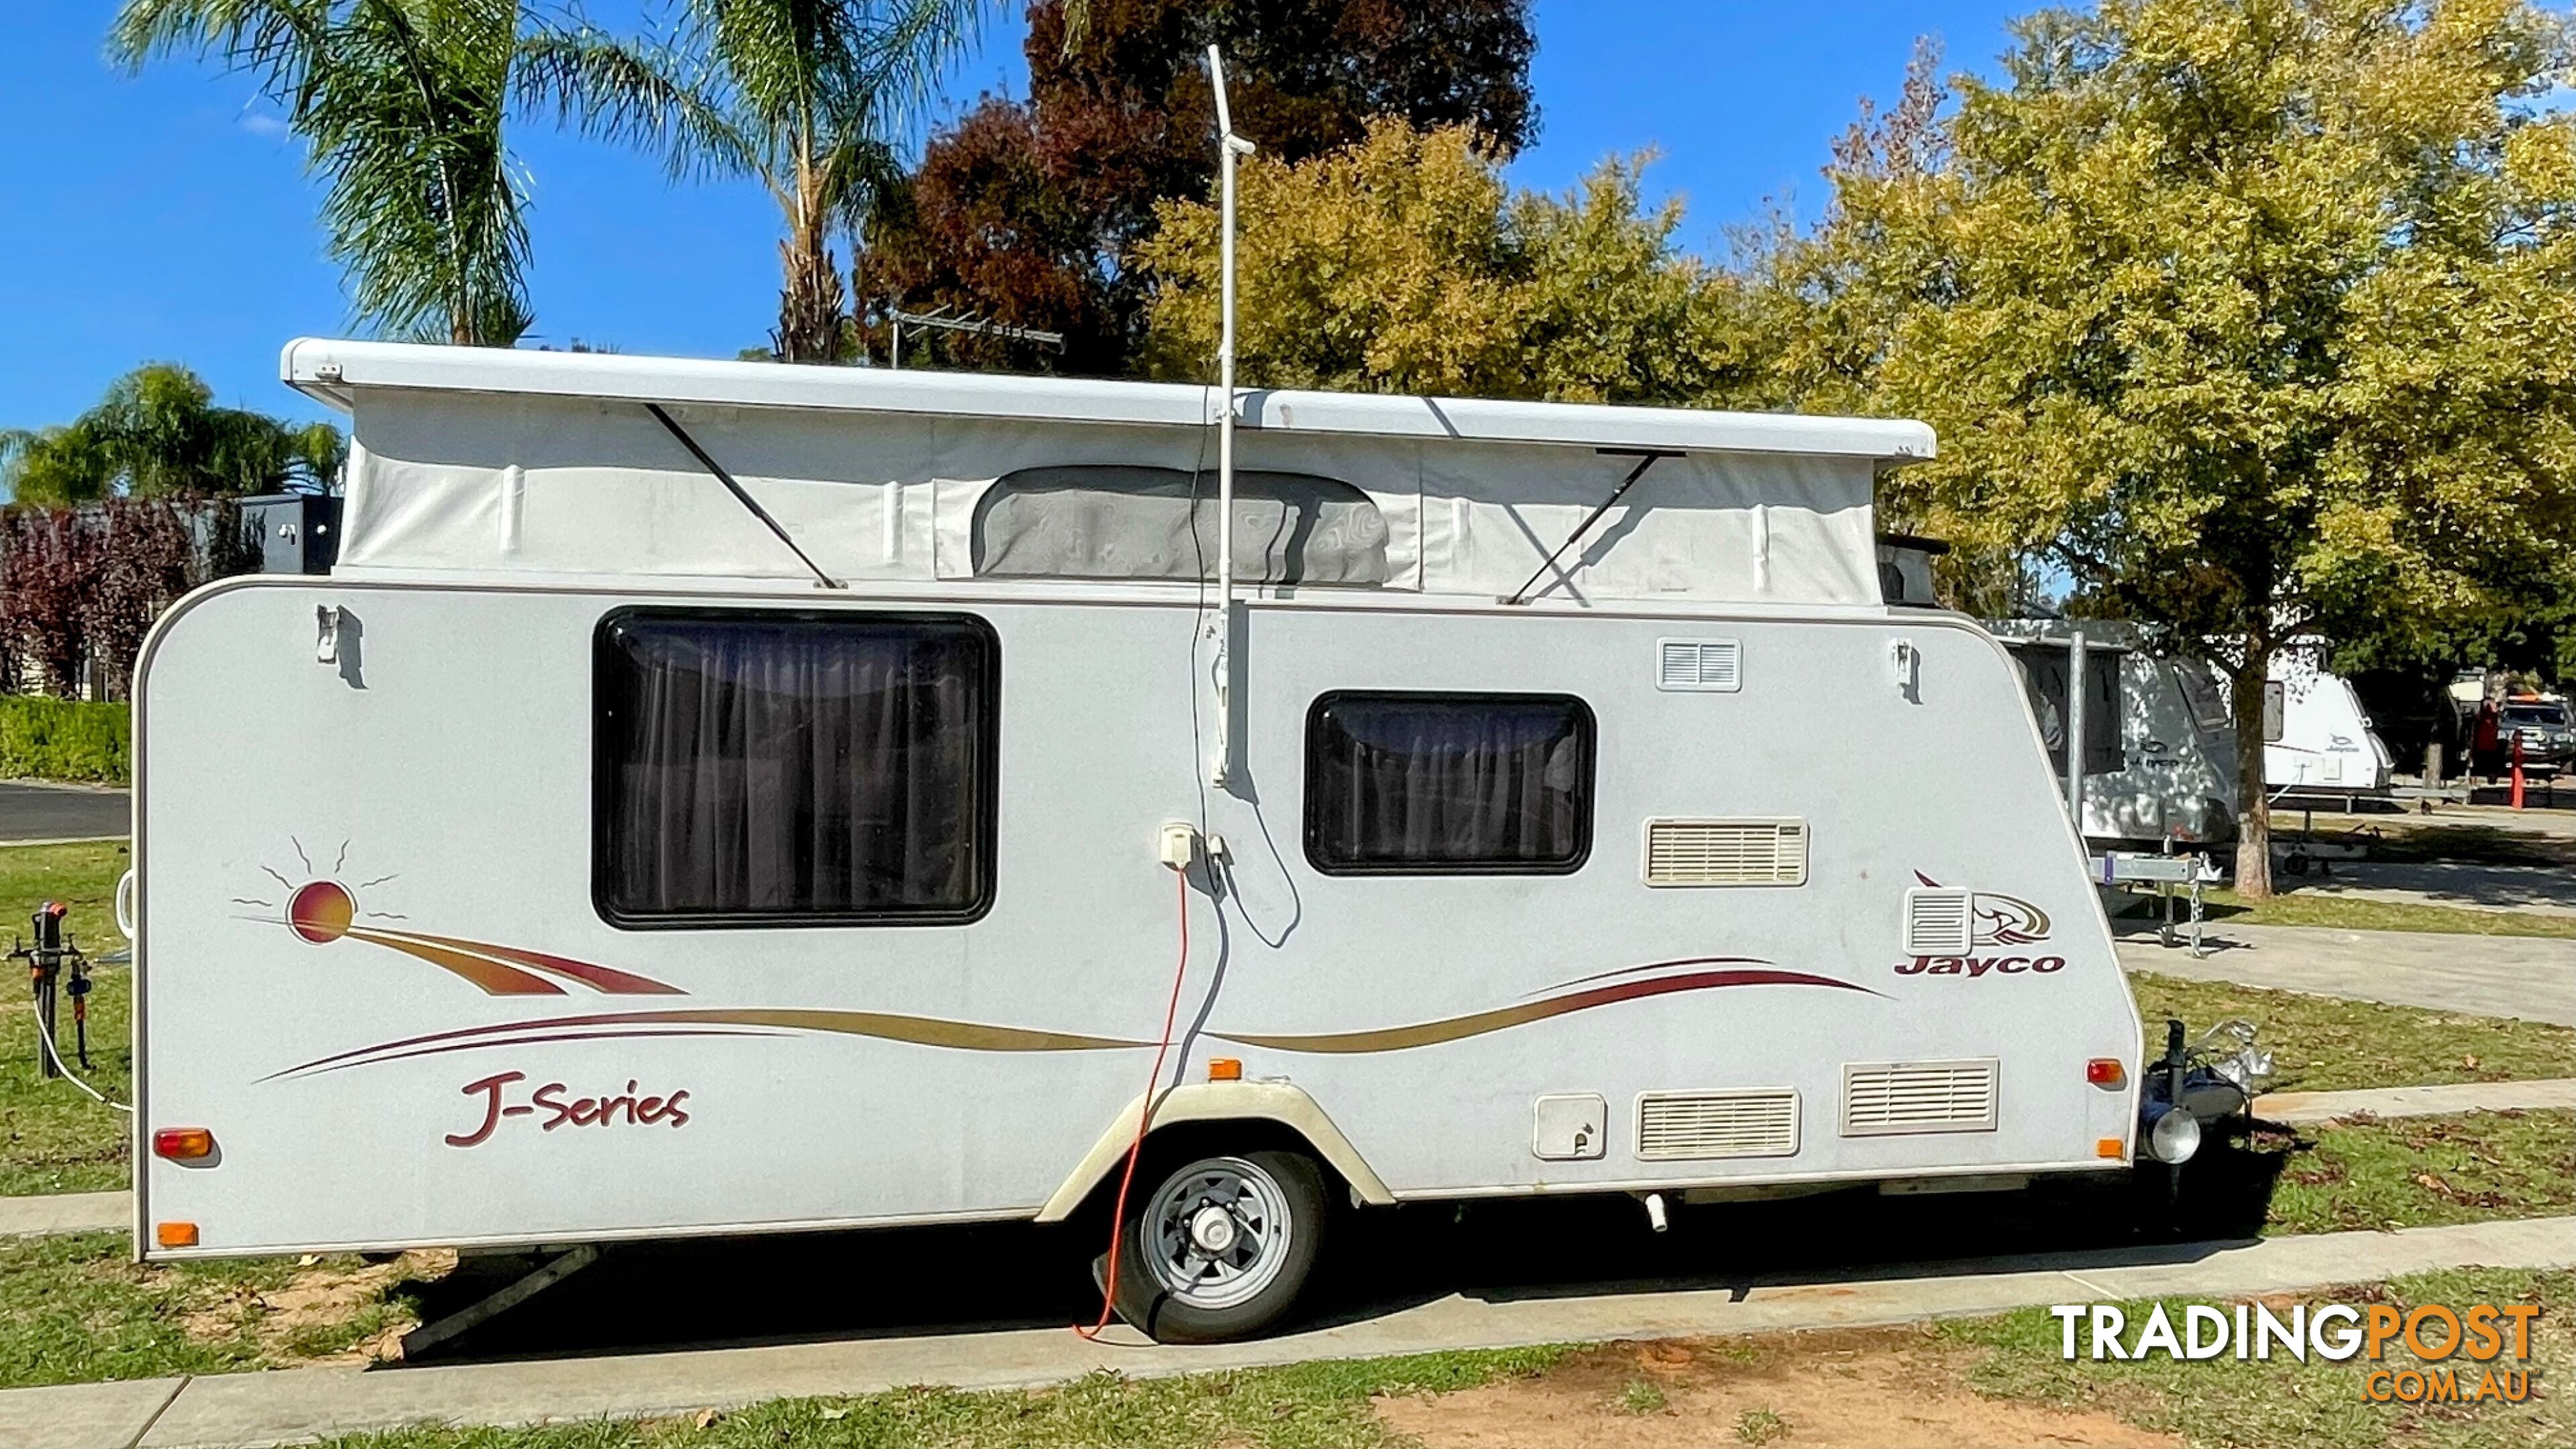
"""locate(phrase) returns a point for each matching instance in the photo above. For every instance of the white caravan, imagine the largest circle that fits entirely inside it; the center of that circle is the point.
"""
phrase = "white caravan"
(2326, 745)
(743, 798)
(2172, 776)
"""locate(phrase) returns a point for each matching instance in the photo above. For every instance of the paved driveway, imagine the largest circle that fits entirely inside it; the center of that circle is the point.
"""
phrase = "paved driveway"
(2526, 976)
(30, 811)
(2547, 889)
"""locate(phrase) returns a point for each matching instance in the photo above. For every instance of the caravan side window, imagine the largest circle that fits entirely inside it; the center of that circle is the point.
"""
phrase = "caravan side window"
(784, 768)
(1448, 783)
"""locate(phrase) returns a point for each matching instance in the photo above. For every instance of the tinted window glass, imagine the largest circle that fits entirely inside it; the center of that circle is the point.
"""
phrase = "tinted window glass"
(793, 768)
(1448, 783)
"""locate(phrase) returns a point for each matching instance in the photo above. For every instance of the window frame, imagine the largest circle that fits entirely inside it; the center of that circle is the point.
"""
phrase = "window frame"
(1587, 731)
(985, 820)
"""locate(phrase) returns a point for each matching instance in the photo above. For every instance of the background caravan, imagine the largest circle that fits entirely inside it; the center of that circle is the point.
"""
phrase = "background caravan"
(2326, 745)
(1587, 823)
(2160, 742)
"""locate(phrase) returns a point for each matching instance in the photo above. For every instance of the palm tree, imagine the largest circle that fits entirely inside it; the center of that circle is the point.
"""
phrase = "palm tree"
(157, 433)
(811, 98)
(403, 103)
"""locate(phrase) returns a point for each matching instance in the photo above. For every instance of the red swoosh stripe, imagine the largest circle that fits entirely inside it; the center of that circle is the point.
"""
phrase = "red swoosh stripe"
(602, 978)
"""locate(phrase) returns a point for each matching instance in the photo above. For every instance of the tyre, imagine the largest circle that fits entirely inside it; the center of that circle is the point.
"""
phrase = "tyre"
(1219, 1247)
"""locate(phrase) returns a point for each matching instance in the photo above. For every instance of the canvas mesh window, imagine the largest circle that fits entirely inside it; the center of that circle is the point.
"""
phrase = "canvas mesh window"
(1119, 522)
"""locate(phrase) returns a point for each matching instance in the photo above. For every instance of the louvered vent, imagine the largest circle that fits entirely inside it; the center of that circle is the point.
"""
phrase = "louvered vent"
(1679, 1126)
(1939, 921)
(1882, 1098)
(1726, 852)
(1709, 664)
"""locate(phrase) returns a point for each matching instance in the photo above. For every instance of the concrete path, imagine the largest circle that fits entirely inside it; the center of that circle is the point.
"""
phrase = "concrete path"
(65, 1212)
(2531, 977)
(33, 813)
(302, 1404)
(2292, 1108)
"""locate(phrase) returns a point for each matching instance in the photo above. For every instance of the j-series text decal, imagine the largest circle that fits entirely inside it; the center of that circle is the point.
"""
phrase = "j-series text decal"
(550, 1104)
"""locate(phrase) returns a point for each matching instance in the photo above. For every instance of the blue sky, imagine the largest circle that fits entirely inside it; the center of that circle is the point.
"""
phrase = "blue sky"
(166, 216)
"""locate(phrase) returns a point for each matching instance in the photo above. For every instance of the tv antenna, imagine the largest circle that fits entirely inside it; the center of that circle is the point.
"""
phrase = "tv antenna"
(945, 320)
(1230, 147)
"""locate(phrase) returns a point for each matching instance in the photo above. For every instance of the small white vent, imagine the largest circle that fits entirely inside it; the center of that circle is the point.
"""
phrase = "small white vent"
(1726, 852)
(1939, 921)
(1681, 1126)
(1700, 664)
(1881, 1098)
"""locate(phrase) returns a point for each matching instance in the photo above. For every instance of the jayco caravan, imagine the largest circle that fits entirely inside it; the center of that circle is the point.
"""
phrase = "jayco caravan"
(746, 798)
(2161, 746)
(2326, 745)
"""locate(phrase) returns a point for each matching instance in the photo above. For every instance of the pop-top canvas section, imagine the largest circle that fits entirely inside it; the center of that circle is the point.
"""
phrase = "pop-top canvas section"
(547, 465)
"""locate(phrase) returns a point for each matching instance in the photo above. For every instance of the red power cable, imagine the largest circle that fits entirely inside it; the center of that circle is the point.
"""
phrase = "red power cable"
(1144, 1116)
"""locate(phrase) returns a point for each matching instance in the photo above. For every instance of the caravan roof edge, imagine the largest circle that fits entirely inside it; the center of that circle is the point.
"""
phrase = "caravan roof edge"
(331, 371)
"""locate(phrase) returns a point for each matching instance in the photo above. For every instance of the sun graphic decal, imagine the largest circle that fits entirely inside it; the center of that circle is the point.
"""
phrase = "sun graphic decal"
(322, 911)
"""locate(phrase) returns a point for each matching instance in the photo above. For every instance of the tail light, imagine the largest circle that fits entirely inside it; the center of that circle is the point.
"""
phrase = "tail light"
(2105, 1072)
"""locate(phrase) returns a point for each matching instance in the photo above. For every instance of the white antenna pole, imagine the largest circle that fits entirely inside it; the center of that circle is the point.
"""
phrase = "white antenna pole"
(1229, 147)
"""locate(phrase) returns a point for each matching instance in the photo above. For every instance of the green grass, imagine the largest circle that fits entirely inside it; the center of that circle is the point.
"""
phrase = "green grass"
(52, 1138)
(65, 739)
(2285, 1404)
(2326, 1044)
(74, 1309)
(2416, 1172)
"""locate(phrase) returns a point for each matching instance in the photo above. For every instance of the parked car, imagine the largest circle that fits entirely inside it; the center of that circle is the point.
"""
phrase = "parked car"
(2548, 738)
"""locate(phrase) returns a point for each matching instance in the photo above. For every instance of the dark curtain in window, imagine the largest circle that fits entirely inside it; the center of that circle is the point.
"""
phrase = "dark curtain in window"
(781, 765)
(1430, 782)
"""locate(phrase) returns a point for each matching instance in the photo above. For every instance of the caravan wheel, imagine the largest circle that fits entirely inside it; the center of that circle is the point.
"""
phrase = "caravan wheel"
(1220, 1247)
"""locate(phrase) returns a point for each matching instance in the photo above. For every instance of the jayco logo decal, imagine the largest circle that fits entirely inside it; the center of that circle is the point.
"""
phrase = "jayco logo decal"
(1979, 965)
(2000, 920)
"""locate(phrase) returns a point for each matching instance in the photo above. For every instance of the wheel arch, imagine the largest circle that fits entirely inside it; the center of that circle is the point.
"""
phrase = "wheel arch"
(1271, 1105)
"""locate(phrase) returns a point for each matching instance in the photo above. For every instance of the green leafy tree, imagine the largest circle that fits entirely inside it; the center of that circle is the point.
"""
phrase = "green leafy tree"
(1404, 263)
(809, 98)
(158, 433)
(403, 105)
(1027, 211)
(2256, 317)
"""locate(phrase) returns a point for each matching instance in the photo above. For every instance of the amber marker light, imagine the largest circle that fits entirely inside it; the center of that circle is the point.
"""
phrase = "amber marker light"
(2104, 1071)
(2110, 1147)
(1224, 1069)
(175, 1235)
(183, 1144)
